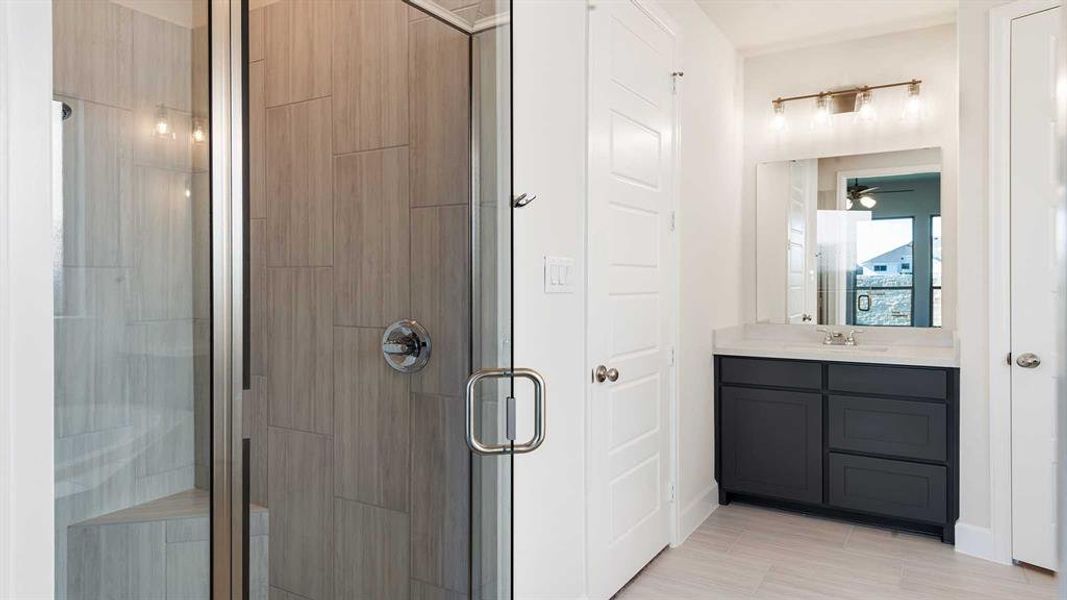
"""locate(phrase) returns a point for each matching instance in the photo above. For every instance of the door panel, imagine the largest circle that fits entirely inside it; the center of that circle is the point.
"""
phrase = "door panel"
(630, 251)
(1034, 286)
(800, 238)
(773, 183)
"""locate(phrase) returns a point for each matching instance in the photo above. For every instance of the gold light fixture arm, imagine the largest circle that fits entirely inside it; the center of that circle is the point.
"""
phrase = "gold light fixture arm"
(849, 91)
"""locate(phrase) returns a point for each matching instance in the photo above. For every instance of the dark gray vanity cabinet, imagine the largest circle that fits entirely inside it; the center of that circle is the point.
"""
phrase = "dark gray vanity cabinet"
(875, 443)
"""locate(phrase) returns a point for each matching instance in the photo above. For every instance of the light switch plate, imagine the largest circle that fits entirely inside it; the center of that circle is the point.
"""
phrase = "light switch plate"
(560, 275)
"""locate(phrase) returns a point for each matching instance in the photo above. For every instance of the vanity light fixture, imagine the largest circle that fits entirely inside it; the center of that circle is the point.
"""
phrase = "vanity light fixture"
(913, 104)
(859, 100)
(199, 131)
(822, 110)
(865, 106)
(778, 122)
(163, 129)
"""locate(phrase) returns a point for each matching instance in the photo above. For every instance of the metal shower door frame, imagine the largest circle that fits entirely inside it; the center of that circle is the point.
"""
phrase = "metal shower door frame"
(228, 533)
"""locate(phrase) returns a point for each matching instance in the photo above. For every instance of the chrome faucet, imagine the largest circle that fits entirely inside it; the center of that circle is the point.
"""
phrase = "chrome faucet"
(851, 339)
(832, 338)
(837, 338)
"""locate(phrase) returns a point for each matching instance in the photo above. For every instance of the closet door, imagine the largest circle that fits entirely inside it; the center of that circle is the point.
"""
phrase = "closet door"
(1034, 287)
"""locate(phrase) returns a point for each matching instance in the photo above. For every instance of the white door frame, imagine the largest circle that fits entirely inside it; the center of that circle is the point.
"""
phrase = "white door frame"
(1000, 19)
(674, 296)
(676, 533)
(27, 492)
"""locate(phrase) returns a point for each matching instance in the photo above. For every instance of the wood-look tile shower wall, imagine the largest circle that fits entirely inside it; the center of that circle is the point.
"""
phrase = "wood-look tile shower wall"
(359, 217)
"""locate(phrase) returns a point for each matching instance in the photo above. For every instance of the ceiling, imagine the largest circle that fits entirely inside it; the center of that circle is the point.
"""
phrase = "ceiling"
(763, 26)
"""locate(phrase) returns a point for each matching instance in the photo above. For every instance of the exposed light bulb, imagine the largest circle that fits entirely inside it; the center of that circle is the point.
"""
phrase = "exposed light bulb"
(865, 106)
(162, 128)
(778, 121)
(913, 104)
(867, 201)
(199, 131)
(822, 111)
(188, 193)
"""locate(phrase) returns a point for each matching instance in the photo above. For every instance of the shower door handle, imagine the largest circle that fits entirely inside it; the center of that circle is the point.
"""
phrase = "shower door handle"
(478, 446)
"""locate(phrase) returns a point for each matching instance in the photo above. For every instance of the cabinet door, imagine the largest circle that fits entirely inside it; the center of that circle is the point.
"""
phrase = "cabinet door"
(772, 443)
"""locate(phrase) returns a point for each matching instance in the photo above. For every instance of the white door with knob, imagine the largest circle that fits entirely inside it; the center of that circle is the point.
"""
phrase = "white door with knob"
(1034, 284)
(800, 241)
(631, 297)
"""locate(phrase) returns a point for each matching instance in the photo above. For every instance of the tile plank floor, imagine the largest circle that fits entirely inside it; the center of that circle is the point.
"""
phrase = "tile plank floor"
(744, 551)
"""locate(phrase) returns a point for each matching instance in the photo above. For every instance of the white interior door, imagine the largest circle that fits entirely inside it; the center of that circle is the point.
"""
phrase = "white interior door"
(630, 289)
(1033, 287)
(773, 192)
(800, 243)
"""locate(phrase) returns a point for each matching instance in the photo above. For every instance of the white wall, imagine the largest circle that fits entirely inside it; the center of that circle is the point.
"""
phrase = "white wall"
(973, 531)
(926, 54)
(26, 472)
(550, 160)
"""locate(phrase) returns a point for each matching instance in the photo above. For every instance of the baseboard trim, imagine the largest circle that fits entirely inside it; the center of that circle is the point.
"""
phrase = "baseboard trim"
(699, 509)
(975, 541)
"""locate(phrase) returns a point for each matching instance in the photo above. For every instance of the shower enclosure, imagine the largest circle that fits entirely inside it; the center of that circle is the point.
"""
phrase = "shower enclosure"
(283, 299)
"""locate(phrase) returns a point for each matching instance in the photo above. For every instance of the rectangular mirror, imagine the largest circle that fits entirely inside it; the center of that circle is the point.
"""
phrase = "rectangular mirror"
(850, 240)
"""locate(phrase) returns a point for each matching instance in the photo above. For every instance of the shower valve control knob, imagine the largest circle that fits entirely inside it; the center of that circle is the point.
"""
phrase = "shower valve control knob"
(406, 346)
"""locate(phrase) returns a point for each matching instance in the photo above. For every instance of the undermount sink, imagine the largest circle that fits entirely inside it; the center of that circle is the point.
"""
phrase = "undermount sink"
(859, 348)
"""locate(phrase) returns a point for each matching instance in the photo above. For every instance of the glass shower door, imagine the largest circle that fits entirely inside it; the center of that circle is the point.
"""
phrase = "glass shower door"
(378, 222)
(132, 273)
(491, 410)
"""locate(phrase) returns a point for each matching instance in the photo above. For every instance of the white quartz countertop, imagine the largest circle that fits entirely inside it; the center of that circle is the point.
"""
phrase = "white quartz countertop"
(891, 346)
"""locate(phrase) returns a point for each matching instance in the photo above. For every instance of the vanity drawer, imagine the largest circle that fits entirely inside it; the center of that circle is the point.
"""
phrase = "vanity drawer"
(912, 429)
(897, 381)
(888, 487)
(779, 373)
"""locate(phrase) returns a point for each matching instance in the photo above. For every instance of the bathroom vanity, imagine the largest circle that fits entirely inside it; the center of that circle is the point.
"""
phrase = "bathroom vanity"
(842, 398)
(843, 432)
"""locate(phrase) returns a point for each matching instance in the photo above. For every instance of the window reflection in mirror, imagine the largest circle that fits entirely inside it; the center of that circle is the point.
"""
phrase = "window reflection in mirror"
(851, 240)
